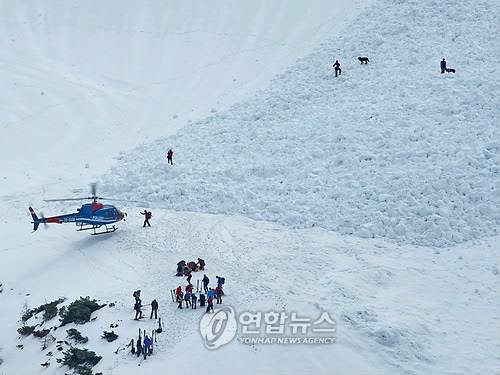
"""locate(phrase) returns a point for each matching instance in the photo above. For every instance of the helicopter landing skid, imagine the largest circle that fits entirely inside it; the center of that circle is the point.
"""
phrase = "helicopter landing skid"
(94, 227)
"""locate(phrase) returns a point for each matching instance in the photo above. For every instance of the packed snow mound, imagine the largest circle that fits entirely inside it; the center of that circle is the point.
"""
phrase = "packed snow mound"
(390, 149)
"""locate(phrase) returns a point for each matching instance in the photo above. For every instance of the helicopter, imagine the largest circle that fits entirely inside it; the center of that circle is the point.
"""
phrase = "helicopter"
(91, 216)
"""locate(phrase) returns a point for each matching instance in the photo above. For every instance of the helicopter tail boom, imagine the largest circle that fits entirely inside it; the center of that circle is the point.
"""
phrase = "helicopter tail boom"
(36, 221)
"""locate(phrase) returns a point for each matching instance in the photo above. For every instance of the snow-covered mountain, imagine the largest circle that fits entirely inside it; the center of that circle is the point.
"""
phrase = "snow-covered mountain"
(373, 196)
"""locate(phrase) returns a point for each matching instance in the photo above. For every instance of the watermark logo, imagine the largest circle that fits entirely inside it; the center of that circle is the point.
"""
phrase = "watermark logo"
(220, 328)
(266, 328)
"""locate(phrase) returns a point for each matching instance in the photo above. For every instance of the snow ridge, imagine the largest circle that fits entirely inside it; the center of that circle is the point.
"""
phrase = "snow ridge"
(392, 149)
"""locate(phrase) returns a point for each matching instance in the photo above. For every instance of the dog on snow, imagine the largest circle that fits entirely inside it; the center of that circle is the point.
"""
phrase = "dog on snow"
(363, 60)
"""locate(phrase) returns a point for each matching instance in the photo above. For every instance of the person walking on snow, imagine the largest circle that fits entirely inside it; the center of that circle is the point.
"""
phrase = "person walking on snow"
(170, 155)
(147, 215)
(338, 70)
(154, 309)
(205, 281)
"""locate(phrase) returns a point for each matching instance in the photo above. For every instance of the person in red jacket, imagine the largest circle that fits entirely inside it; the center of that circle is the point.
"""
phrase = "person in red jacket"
(178, 291)
(170, 155)
(210, 304)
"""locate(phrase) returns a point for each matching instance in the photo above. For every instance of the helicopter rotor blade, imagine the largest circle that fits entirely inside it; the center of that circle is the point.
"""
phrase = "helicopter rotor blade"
(67, 199)
(125, 200)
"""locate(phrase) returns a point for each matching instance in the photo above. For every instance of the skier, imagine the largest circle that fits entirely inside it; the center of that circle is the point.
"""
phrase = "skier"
(202, 300)
(210, 304)
(154, 309)
(187, 299)
(205, 280)
(218, 294)
(201, 262)
(443, 66)
(170, 155)
(193, 301)
(147, 215)
(148, 346)
(336, 66)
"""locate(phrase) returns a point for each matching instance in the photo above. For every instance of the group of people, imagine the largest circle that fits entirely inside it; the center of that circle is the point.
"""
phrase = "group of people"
(206, 296)
(138, 306)
(186, 269)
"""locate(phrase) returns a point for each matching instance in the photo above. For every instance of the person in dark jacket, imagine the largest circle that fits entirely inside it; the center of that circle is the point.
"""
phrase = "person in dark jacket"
(138, 311)
(202, 300)
(189, 276)
(147, 215)
(443, 66)
(201, 263)
(338, 70)
(170, 155)
(154, 309)
(205, 281)
(193, 300)
(187, 299)
(218, 294)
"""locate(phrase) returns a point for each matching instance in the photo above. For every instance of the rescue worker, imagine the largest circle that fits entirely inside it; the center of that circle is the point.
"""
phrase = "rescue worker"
(205, 281)
(338, 70)
(443, 66)
(154, 309)
(170, 155)
(147, 215)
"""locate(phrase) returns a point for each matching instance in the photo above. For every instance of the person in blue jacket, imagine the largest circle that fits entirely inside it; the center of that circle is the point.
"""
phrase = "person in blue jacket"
(148, 346)
(210, 293)
(187, 299)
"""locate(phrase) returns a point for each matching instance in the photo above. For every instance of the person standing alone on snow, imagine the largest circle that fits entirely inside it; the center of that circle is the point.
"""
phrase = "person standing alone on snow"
(170, 155)
(147, 215)
(154, 309)
(443, 66)
(336, 66)
(205, 281)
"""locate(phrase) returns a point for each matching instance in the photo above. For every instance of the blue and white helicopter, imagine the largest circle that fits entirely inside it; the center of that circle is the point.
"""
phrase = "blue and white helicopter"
(91, 216)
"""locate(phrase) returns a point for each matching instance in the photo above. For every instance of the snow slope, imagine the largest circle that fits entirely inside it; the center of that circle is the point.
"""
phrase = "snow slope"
(82, 81)
(400, 310)
(391, 149)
